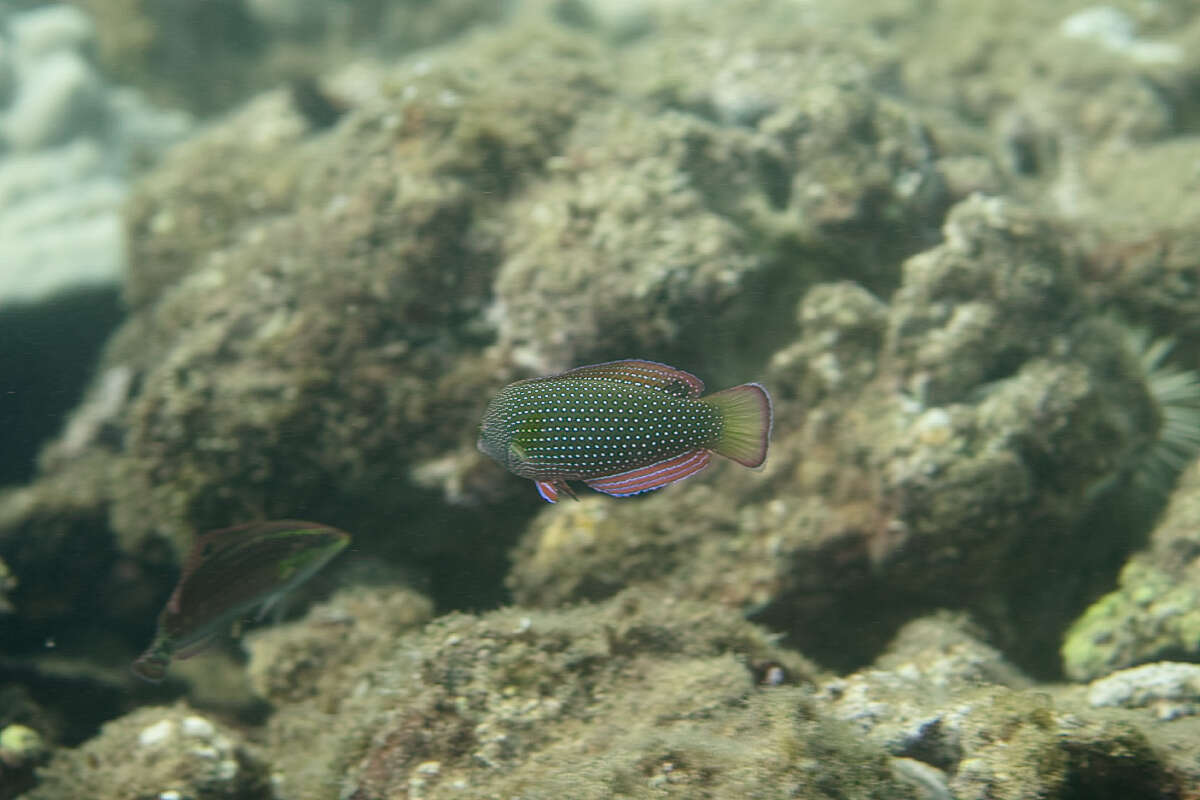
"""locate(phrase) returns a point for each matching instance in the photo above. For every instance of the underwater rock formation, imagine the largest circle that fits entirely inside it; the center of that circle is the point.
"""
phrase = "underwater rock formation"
(1154, 612)
(963, 457)
(637, 696)
(158, 752)
(319, 310)
(209, 56)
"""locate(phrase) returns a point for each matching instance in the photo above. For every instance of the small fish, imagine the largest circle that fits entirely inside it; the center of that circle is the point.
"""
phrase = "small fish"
(227, 573)
(622, 427)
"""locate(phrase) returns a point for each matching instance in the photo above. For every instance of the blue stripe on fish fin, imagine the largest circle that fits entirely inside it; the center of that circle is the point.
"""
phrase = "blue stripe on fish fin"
(550, 490)
(647, 373)
(654, 476)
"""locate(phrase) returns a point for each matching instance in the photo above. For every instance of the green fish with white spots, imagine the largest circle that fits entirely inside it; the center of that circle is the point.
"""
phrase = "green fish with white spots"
(229, 572)
(622, 427)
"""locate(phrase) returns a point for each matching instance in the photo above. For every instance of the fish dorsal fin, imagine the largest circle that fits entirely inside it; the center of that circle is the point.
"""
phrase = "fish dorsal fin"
(228, 544)
(645, 373)
(243, 560)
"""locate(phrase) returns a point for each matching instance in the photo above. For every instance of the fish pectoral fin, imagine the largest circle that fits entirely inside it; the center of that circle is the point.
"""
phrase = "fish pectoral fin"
(654, 476)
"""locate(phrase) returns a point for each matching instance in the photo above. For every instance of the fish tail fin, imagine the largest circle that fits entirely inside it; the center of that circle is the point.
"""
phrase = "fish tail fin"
(151, 666)
(746, 411)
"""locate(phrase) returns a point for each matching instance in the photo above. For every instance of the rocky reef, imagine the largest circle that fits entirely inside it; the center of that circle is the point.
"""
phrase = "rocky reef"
(978, 343)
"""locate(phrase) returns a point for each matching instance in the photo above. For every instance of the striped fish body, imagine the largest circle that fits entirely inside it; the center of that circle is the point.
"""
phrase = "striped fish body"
(227, 574)
(622, 427)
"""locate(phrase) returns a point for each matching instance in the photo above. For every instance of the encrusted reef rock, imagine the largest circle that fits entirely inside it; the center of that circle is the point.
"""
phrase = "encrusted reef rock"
(303, 333)
(207, 56)
(641, 696)
(316, 325)
(319, 310)
(1154, 613)
(956, 438)
(159, 752)
(290, 664)
(979, 729)
(1168, 689)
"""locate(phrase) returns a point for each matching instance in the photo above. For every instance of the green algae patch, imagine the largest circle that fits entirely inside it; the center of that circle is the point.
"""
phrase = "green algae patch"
(1149, 617)
(1153, 614)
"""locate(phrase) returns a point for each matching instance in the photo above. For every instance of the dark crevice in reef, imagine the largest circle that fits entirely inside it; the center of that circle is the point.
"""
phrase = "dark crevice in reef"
(47, 353)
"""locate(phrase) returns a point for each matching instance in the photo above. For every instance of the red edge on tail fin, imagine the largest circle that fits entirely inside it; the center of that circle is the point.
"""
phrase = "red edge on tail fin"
(749, 418)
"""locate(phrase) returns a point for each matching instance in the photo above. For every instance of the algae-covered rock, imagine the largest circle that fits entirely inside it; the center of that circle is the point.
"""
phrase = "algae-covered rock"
(21, 749)
(207, 56)
(319, 312)
(291, 663)
(1021, 747)
(631, 236)
(942, 697)
(1154, 613)
(317, 324)
(156, 752)
(1170, 689)
(948, 443)
(314, 353)
(642, 696)
(843, 327)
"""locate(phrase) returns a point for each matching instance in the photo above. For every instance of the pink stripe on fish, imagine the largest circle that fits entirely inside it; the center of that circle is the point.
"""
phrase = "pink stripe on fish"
(640, 474)
(654, 476)
(649, 373)
(547, 491)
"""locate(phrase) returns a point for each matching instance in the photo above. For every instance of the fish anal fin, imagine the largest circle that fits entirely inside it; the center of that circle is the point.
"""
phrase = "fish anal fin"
(276, 605)
(646, 373)
(550, 490)
(195, 648)
(654, 476)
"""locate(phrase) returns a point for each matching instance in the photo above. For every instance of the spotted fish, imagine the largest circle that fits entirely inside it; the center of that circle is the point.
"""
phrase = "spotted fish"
(622, 427)
(229, 572)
